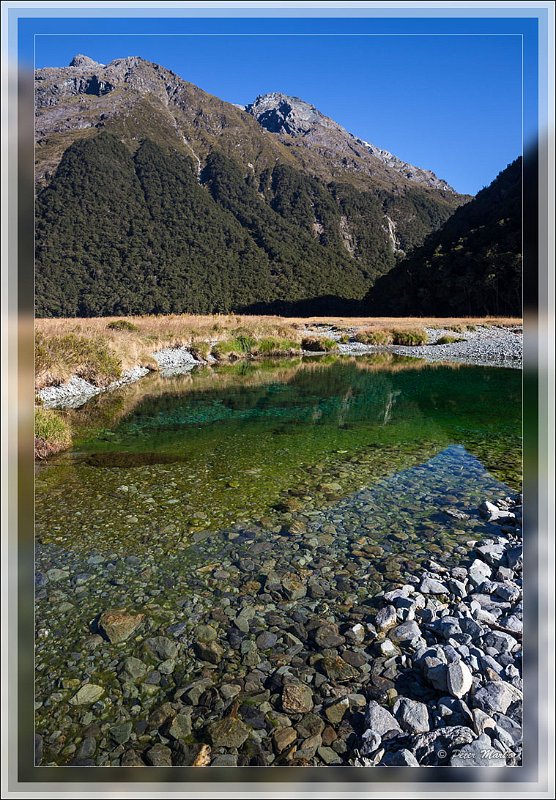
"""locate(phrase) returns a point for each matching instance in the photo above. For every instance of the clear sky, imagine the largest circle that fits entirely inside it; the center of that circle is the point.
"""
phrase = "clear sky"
(450, 103)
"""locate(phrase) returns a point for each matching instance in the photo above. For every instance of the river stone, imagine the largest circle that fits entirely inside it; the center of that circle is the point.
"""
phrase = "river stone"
(161, 647)
(328, 636)
(297, 698)
(509, 726)
(371, 742)
(495, 696)
(412, 715)
(482, 721)
(328, 755)
(492, 552)
(386, 618)
(400, 758)
(210, 651)
(131, 759)
(406, 632)
(310, 725)
(388, 648)
(56, 574)
(379, 719)
(479, 753)
(458, 679)
(159, 756)
(224, 760)
(159, 716)
(117, 624)
(335, 712)
(337, 669)
(266, 640)
(89, 693)
(356, 634)
(479, 572)
(228, 732)
(135, 668)
(88, 748)
(293, 586)
(308, 748)
(432, 586)
(500, 641)
(435, 747)
(121, 733)
(283, 738)
(181, 725)
(205, 633)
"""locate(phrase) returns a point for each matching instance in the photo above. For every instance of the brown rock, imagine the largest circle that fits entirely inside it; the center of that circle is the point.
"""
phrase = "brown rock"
(161, 715)
(282, 738)
(159, 756)
(117, 624)
(297, 698)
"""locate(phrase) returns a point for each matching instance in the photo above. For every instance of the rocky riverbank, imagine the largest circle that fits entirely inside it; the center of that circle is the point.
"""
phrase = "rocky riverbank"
(276, 645)
(456, 634)
(485, 346)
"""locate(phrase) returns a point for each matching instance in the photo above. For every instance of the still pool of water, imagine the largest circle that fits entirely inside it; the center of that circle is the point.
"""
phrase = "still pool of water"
(193, 498)
(209, 449)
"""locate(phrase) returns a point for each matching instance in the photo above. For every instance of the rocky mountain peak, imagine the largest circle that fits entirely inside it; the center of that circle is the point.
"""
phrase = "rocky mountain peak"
(293, 118)
(280, 113)
(84, 61)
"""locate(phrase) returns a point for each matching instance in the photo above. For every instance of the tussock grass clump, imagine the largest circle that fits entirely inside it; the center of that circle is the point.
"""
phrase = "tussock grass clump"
(371, 336)
(57, 358)
(275, 346)
(227, 350)
(319, 344)
(122, 325)
(52, 432)
(245, 342)
(243, 345)
(449, 340)
(409, 338)
(200, 350)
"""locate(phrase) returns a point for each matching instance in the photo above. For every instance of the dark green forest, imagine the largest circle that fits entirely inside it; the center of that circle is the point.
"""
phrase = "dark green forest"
(470, 266)
(134, 233)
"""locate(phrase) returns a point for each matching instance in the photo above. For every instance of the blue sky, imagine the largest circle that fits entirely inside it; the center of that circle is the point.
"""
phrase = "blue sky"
(450, 103)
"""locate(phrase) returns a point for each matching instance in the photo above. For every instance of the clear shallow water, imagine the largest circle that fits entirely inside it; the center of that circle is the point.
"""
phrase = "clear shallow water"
(189, 499)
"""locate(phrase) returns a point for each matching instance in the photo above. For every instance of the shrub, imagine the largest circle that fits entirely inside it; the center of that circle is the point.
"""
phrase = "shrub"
(318, 344)
(344, 338)
(52, 431)
(377, 337)
(122, 325)
(409, 338)
(449, 340)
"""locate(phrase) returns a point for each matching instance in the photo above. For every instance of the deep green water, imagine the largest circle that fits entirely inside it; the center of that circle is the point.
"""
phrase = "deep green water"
(168, 457)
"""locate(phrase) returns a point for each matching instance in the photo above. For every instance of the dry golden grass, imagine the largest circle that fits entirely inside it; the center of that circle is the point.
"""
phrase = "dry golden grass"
(131, 348)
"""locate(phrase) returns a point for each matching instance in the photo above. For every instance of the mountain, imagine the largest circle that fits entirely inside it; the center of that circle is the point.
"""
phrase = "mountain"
(471, 266)
(324, 146)
(155, 196)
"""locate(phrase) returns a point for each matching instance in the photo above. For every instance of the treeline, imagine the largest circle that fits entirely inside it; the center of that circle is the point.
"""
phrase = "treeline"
(136, 233)
(470, 266)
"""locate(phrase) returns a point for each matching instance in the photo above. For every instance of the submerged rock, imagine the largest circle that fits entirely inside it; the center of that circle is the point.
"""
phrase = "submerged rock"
(118, 624)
